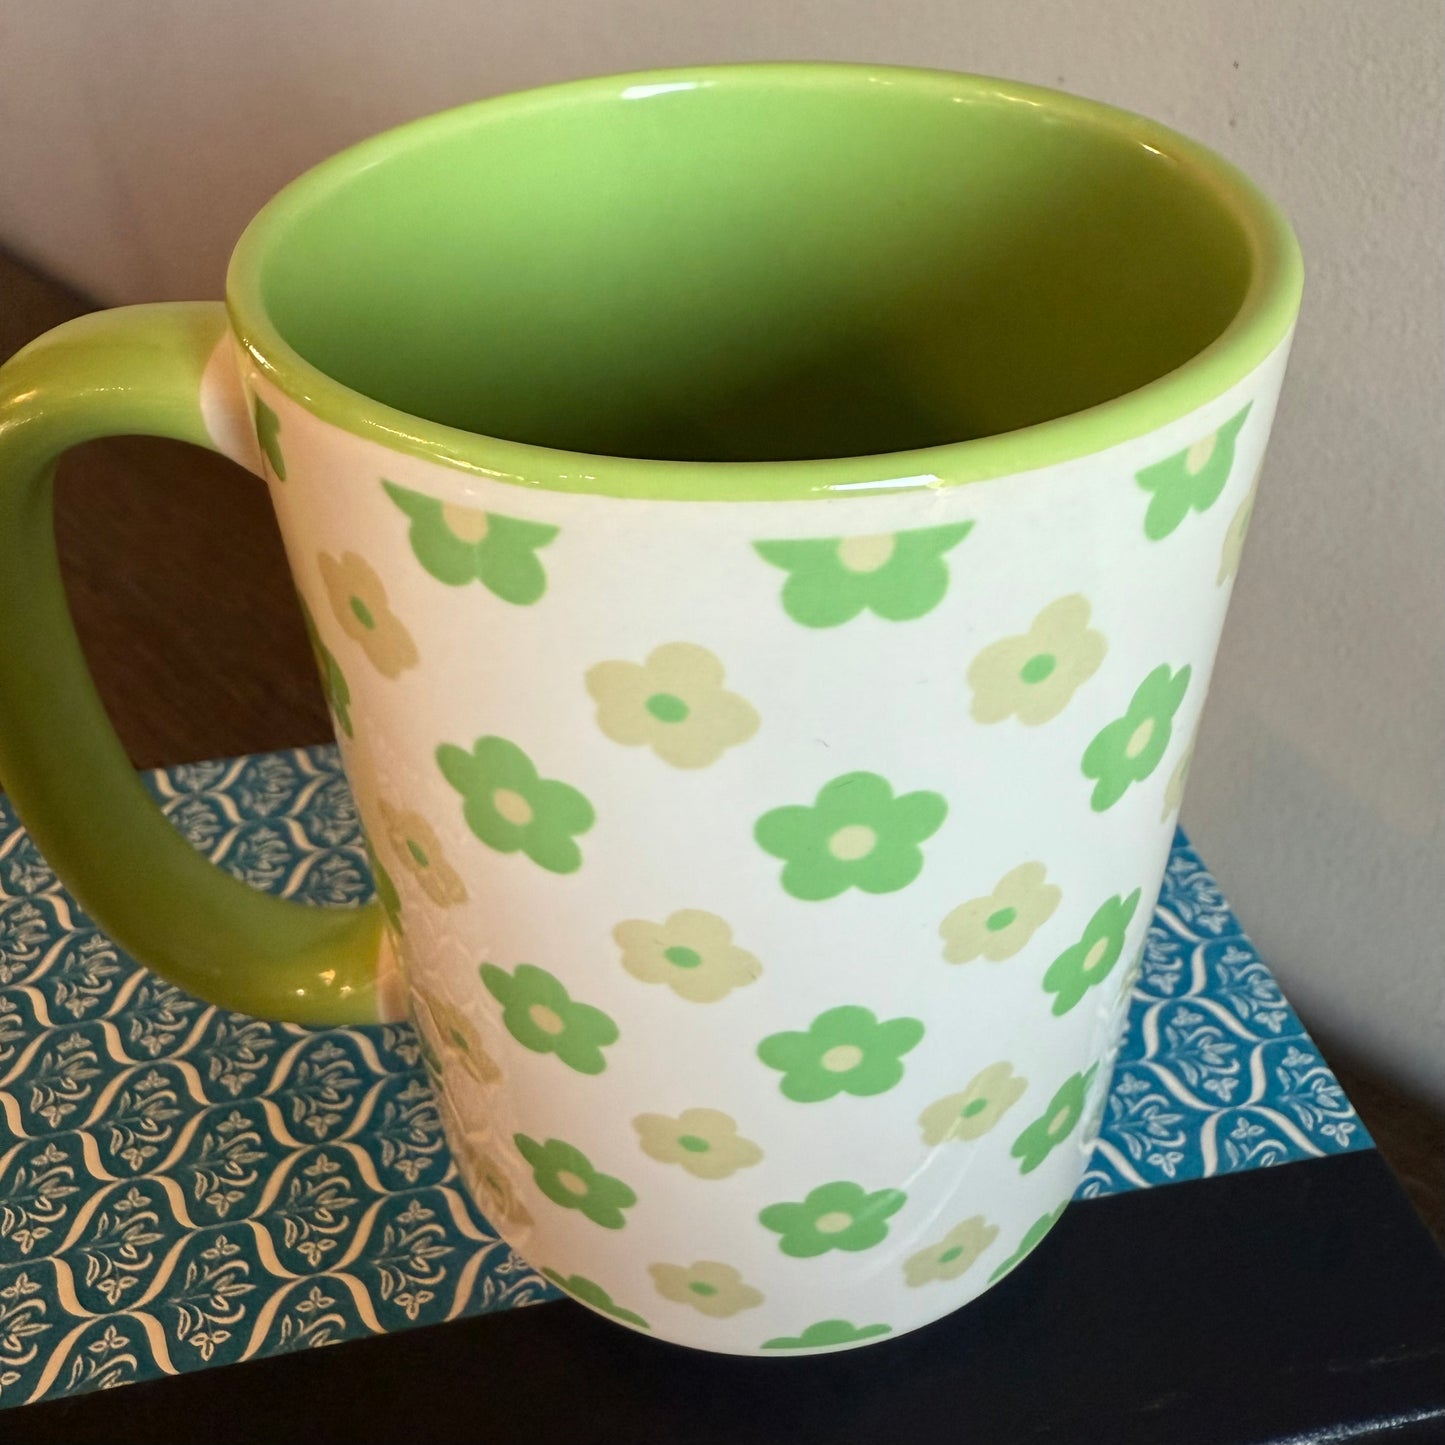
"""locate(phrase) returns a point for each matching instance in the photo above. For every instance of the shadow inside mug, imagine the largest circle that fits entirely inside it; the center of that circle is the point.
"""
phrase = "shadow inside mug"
(756, 270)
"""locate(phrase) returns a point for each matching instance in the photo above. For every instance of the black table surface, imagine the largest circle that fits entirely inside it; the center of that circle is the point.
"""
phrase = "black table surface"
(1303, 1303)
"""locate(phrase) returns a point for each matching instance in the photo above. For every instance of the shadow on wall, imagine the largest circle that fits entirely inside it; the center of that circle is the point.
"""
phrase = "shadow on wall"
(1344, 965)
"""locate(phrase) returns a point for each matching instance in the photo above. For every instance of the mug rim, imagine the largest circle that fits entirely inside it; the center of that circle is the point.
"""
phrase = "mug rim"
(1262, 322)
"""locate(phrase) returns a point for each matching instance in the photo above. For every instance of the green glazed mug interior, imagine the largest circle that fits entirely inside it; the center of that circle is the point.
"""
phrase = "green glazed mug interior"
(766, 263)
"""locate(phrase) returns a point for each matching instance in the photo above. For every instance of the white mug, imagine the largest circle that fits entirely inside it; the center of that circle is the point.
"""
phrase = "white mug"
(765, 533)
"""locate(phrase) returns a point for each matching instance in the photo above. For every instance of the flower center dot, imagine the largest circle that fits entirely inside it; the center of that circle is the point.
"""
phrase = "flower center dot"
(866, 554)
(693, 1144)
(974, 1106)
(834, 1222)
(850, 844)
(951, 1254)
(546, 1019)
(1000, 920)
(512, 806)
(466, 523)
(680, 957)
(1139, 739)
(362, 613)
(667, 707)
(1095, 956)
(418, 853)
(1038, 667)
(702, 1287)
(1197, 457)
(1059, 1124)
(571, 1182)
(841, 1058)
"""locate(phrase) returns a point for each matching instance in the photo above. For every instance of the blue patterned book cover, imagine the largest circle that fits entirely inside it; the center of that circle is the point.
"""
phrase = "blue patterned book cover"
(183, 1187)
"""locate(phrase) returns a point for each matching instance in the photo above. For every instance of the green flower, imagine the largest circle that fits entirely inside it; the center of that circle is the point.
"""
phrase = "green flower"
(989, 1096)
(856, 835)
(1130, 747)
(845, 1051)
(840, 1215)
(1055, 1124)
(566, 1177)
(1089, 961)
(268, 434)
(386, 893)
(953, 1254)
(333, 680)
(997, 926)
(584, 1291)
(1033, 675)
(828, 1332)
(459, 544)
(513, 810)
(705, 1142)
(1189, 480)
(897, 575)
(711, 1288)
(1030, 1242)
(540, 1014)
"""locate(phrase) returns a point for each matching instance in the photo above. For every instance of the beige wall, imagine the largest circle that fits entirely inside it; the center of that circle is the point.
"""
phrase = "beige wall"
(140, 136)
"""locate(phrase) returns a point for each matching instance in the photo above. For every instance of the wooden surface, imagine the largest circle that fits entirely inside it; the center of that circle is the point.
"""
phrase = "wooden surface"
(177, 582)
(180, 593)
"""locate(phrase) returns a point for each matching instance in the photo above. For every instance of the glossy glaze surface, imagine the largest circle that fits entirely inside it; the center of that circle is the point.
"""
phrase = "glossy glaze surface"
(766, 878)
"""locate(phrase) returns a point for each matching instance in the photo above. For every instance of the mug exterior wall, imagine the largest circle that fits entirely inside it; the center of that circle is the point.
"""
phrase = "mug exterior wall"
(768, 877)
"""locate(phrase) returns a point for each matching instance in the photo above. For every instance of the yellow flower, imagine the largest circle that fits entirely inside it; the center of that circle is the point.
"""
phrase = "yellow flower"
(997, 926)
(1033, 675)
(1178, 781)
(692, 952)
(674, 703)
(415, 842)
(470, 524)
(705, 1142)
(715, 1289)
(989, 1096)
(953, 1254)
(358, 598)
(1234, 537)
(451, 1037)
(488, 1182)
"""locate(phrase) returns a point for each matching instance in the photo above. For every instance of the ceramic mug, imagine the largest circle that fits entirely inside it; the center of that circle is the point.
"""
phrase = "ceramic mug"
(765, 533)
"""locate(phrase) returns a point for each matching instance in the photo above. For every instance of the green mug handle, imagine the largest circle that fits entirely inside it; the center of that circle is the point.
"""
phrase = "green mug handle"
(135, 370)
